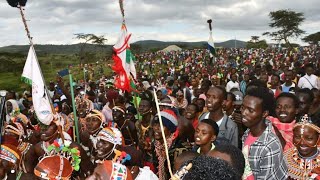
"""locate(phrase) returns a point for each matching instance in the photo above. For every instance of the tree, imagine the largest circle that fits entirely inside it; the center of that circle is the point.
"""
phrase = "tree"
(254, 39)
(312, 38)
(287, 22)
(87, 38)
(259, 44)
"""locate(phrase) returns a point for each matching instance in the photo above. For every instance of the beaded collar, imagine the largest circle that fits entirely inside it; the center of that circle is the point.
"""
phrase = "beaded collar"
(300, 167)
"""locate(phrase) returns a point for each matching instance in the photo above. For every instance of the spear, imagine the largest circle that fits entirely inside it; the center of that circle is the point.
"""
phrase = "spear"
(20, 4)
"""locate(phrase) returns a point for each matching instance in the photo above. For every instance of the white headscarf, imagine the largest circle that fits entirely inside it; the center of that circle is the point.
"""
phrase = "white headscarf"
(146, 173)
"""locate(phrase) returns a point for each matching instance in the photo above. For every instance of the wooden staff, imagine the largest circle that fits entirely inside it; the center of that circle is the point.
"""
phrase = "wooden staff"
(162, 132)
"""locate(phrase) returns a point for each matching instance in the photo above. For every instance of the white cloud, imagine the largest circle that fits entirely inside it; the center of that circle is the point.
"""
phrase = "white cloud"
(55, 21)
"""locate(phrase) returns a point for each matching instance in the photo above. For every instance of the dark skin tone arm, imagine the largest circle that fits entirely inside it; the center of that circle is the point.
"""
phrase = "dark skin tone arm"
(64, 90)
(133, 132)
(32, 156)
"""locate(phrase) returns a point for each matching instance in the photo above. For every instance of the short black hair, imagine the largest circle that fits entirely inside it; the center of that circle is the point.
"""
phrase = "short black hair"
(202, 100)
(276, 75)
(256, 83)
(233, 97)
(307, 92)
(213, 124)
(289, 95)
(205, 167)
(206, 82)
(268, 101)
(236, 156)
(196, 106)
(222, 89)
(309, 65)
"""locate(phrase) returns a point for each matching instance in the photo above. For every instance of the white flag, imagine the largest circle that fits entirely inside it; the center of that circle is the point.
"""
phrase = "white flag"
(32, 75)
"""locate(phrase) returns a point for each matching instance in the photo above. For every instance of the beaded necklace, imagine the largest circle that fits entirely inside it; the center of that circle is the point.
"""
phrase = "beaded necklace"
(300, 167)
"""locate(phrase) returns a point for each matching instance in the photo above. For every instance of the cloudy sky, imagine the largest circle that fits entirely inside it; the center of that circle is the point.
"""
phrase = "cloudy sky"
(55, 21)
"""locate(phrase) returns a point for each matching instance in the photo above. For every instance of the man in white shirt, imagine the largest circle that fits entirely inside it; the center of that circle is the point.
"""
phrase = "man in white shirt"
(233, 83)
(309, 80)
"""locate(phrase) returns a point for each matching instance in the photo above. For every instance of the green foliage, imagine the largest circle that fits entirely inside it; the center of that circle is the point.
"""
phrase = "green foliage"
(260, 44)
(88, 38)
(11, 68)
(287, 23)
(292, 45)
(73, 152)
(312, 38)
(254, 39)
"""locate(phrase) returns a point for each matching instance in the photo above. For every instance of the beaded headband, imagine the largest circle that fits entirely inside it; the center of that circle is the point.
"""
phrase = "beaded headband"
(305, 121)
(118, 108)
(97, 114)
(87, 102)
(9, 154)
(110, 134)
(18, 131)
(166, 104)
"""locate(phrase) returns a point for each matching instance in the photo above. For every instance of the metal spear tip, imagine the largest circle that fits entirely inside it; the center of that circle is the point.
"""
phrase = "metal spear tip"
(209, 21)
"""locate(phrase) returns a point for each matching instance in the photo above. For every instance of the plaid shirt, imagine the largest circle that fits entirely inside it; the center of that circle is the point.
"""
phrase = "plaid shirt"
(266, 156)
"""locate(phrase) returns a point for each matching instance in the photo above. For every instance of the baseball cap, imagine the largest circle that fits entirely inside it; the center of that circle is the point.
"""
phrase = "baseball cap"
(239, 97)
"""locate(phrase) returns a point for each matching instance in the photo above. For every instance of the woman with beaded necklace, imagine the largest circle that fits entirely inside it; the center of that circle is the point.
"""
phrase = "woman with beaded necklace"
(303, 159)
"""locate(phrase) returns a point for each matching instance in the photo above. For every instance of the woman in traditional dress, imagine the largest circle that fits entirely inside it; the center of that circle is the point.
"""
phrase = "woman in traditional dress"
(303, 159)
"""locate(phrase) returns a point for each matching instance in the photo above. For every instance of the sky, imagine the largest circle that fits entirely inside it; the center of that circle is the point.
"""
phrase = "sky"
(56, 21)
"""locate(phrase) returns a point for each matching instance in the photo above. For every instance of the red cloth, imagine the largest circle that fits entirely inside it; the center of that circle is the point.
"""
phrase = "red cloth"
(195, 123)
(121, 80)
(286, 130)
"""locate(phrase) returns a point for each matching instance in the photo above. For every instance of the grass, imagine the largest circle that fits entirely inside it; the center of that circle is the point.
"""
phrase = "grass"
(50, 65)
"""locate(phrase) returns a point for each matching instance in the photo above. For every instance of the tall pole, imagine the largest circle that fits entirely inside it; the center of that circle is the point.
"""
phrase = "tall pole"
(25, 24)
(46, 92)
(2, 115)
(211, 56)
(74, 108)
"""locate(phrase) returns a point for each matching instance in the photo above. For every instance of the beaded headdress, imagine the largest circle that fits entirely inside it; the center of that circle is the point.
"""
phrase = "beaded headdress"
(110, 134)
(305, 121)
(118, 108)
(59, 161)
(9, 153)
(97, 114)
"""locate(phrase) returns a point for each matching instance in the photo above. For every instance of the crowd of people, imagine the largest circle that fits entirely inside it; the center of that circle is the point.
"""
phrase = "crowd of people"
(243, 114)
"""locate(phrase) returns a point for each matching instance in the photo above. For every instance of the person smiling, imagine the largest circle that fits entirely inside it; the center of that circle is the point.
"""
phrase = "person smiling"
(286, 109)
(191, 114)
(304, 158)
(261, 147)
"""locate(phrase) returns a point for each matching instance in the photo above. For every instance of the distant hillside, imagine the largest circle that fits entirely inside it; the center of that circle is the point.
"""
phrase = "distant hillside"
(137, 47)
(55, 49)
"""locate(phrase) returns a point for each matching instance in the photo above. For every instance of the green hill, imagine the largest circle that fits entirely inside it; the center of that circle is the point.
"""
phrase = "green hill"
(55, 49)
(53, 58)
(137, 47)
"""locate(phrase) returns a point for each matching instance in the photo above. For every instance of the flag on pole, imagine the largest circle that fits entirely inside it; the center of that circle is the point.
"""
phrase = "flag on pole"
(124, 65)
(32, 75)
(211, 46)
